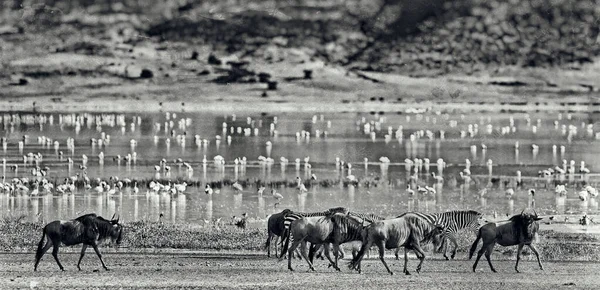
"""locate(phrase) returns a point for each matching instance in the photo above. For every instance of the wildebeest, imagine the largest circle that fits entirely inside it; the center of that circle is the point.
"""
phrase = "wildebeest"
(292, 216)
(453, 221)
(408, 231)
(275, 228)
(519, 230)
(334, 228)
(345, 229)
(89, 230)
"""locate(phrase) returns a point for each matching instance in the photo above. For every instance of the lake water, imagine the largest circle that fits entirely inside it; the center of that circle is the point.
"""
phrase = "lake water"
(339, 135)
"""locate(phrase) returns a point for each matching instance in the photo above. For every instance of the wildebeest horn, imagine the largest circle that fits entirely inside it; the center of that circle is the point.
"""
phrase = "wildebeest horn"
(535, 212)
(522, 211)
(113, 217)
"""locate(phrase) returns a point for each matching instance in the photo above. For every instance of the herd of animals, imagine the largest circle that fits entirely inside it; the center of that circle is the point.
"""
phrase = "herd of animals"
(323, 230)
(327, 230)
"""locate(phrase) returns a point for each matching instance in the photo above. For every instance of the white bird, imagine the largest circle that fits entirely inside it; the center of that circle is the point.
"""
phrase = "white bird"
(260, 191)
(509, 192)
(300, 185)
(180, 187)
(560, 190)
(384, 159)
(237, 187)
(482, 192)
(208, 189)
(430, 190)
(422, 190)
(410, 191)
(276, 195)
(583, 195)
(591, 190)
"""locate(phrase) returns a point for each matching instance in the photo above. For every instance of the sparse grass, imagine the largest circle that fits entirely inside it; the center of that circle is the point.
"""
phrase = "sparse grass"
(551, 245)
(20, 235)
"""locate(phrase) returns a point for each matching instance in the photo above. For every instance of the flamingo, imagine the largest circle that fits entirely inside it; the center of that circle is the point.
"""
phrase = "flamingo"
(482, 192)
(410, 191)
(300, 185)
(260, 191)
(583, 195)
(430, 190)
(237, 187)
(438, 179)
(276, 195)
(422, 190)
(509, 192)
(592, 191)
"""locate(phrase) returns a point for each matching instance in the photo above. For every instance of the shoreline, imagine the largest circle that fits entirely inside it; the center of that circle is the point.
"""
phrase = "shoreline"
(131, 106)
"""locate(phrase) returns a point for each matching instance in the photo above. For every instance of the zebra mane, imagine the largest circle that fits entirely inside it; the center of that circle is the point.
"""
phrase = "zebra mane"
(369, 217)
(473, 212)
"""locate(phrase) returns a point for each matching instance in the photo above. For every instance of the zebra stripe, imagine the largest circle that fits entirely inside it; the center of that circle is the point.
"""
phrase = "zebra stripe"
(453, 221)
(290, 217)
(369, 217)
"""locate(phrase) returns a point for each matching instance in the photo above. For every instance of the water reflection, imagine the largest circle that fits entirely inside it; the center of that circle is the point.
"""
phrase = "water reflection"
(447, 139)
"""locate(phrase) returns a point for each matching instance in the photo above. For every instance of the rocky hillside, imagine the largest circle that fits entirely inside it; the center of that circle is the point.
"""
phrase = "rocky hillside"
(426, 37)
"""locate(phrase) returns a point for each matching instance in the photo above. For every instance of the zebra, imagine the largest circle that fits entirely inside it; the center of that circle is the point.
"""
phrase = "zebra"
(369, 217)
(409, 232)
(452, 222)
(292, 216)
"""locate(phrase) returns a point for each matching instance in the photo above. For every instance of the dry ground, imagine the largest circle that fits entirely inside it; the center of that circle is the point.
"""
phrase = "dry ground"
(255, 271)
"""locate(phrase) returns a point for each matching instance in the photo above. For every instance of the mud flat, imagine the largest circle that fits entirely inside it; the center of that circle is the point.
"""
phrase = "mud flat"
(218, 271)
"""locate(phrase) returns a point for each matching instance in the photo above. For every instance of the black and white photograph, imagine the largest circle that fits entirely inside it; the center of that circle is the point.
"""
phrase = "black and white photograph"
(300, 144)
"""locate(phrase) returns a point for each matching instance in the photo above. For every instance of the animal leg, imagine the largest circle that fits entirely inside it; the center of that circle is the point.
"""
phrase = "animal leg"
(488, 254)
(303, 252)
(268, 244)
(453, 240)
(276, 245)
(519, 249)
(405, 270)
(479, 254)
(55, 255)
(336, 254)
(314, 250)
(381, 247)
(41, 253)
(420, 254)
(291, 251)
(537, 255)
(328, 255)
(342, 254)
(99, 256)
(81, 256)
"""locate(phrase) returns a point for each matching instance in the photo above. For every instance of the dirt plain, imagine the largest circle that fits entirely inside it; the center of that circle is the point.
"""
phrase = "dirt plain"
(255, 271)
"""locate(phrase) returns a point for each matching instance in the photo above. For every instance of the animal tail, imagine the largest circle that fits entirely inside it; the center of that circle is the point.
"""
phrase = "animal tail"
(287, 243)
(40, 246)
(474, 246)
(268, 242)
